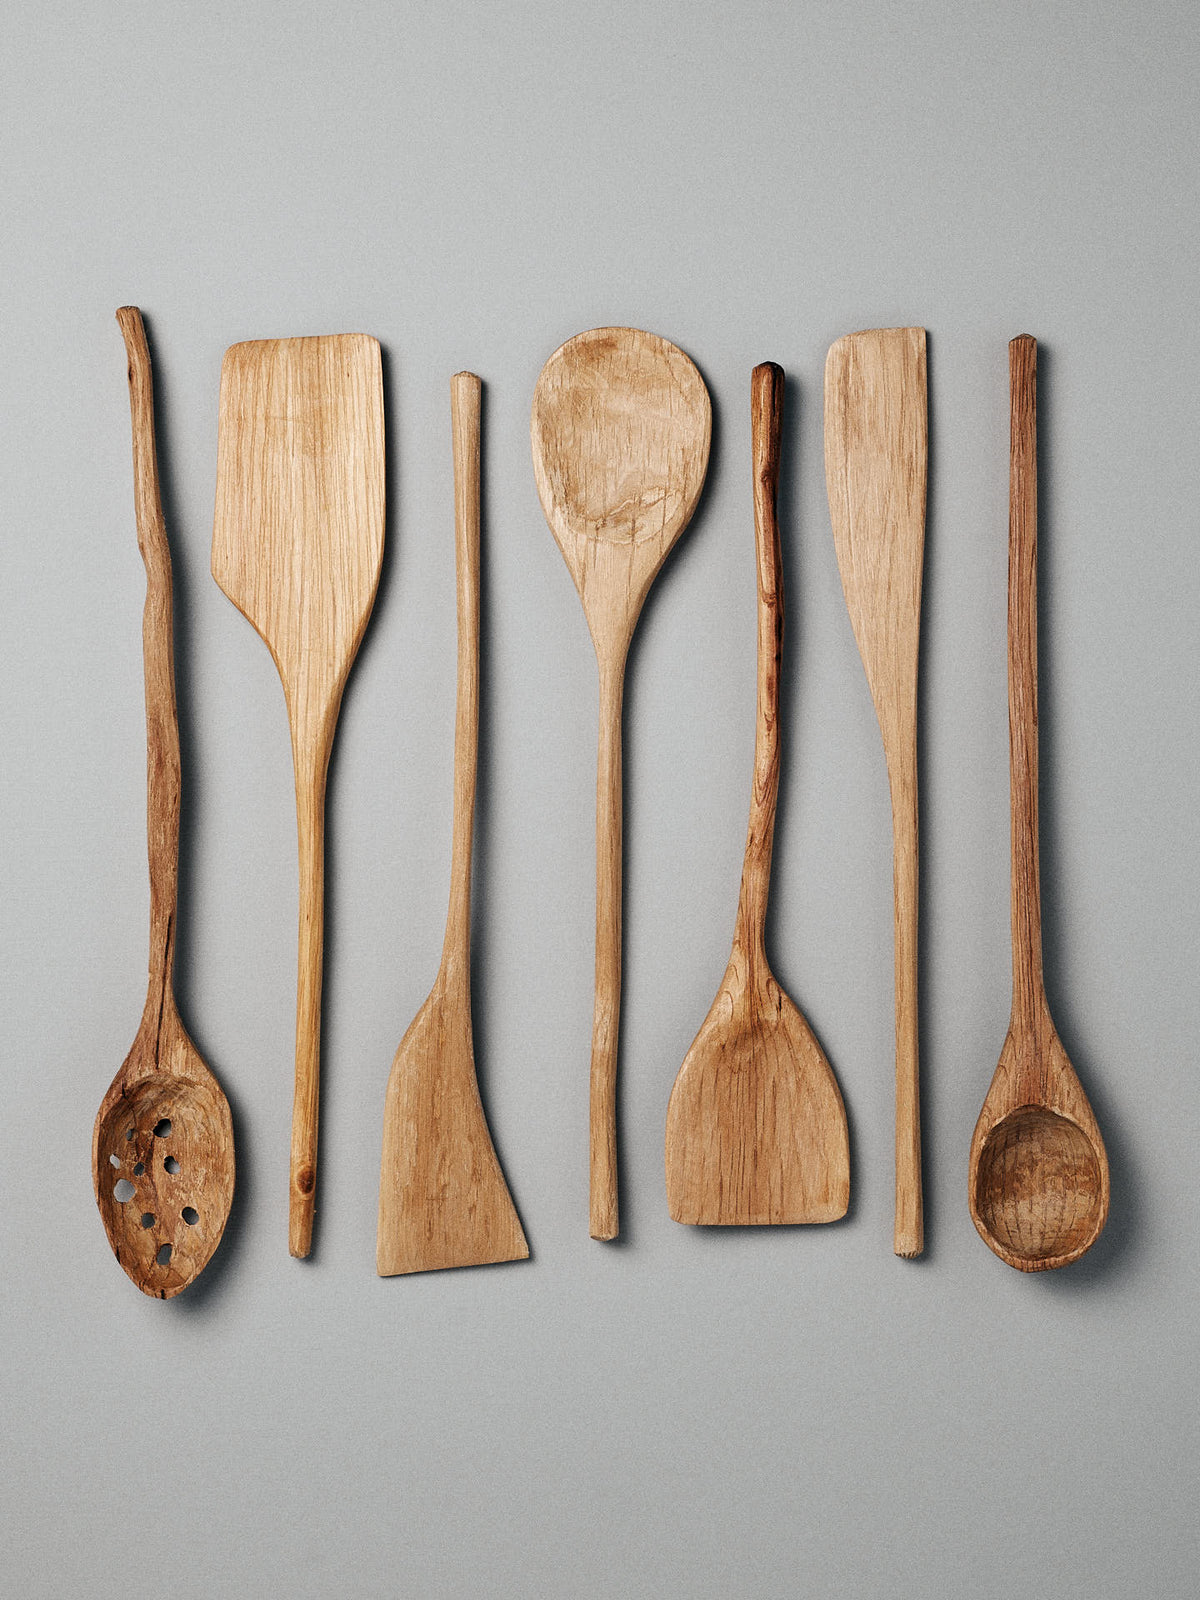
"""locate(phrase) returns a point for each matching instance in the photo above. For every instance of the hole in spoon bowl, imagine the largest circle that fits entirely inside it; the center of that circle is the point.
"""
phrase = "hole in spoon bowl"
(123, 1190)
(1038, 1186)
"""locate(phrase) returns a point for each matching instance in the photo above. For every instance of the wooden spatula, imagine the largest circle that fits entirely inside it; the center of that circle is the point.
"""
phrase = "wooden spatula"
(443, 1201)
(297, 546)
(875, 468)
(756, 1128)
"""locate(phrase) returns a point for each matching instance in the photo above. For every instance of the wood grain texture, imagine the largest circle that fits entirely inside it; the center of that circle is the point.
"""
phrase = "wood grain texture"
(443, 1201)
(876, 452)
(297, 547)
(756, 1127)
(162, 1144)
(620, 430)
(1038, 1182)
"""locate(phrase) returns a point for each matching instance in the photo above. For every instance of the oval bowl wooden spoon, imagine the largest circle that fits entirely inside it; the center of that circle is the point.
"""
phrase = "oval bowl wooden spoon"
(620, 429)
(756, 1126)
(1038, 1183)
(162, 1145)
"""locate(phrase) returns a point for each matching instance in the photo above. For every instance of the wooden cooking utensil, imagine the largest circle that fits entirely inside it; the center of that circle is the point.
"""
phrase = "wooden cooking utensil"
(297, 547)
(1038, 1174)
(443, 1201)
(162, 1146)
(875, 470)
(756, 1128)
(621, 426)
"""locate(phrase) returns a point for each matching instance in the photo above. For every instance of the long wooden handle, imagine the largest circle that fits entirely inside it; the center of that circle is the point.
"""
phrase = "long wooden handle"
(909, 1237)
(465, 399)
(311, 773)
(766, 420)
(158, 656)
(1028, 987)
(607, 1015)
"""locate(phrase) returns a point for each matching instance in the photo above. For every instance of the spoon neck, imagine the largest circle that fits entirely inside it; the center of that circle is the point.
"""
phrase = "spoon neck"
(1028, 989)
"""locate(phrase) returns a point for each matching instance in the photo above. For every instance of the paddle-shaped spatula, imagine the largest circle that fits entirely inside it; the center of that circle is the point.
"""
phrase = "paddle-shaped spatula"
(875, 468)
(443, 1201)
(297, 546)
(756, 1128)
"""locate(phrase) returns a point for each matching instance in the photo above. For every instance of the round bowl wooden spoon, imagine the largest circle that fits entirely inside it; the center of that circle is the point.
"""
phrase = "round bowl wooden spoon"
(162, 1146)
(756, 1127)
(1038, 1177)
(620, 428)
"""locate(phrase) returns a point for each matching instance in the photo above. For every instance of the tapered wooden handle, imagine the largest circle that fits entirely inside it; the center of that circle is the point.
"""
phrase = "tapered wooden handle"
(310, 829)
(606, 1017)
(766, 420)
(909, 1237)
(158, 656)
(1028, 988)
(465, 400)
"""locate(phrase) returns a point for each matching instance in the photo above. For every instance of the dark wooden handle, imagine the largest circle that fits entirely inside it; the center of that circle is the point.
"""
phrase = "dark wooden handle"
(766, 420)
(162, 722)
(1028, 990)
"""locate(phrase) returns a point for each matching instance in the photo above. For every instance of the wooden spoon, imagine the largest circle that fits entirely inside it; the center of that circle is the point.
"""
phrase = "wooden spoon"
(443, 1201)
(297, 547)
(162, 1146)
(1038, 1176)
(621, 426)
(875, 469)
(756, 1128)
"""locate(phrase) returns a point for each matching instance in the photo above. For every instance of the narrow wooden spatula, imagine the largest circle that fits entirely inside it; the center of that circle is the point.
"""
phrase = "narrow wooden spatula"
(875, 468)
(443, 1201)
(297, 547)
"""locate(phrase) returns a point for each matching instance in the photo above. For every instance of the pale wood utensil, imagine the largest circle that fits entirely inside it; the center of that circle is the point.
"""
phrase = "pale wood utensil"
(756, 1127)
(620, 427)
(875, 472)
(443, 1201)
(162, 1145)
(1038, 1174)
(297, 547)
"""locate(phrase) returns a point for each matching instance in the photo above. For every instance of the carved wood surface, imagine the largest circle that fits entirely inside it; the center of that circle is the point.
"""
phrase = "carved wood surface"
(756, 1127)
(875, 468)
(620, 430)
(162, 1144)
(297, 547)
(1038, 1181)
(443, 1201)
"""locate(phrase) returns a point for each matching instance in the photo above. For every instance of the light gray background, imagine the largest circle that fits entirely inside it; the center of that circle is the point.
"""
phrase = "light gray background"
(688, 1413)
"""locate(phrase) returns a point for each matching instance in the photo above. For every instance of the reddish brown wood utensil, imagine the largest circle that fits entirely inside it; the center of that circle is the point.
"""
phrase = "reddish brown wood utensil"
(162, 1145)
(297, 547)
(443, 1201)
(756, 1127)
(1038, 1174)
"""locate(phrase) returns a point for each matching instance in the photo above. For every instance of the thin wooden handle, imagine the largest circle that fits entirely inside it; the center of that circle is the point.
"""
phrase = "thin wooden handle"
(766, 420)
(1028, 987)
(158, 655)
(909, 1223)
(606, 1017)
(310, 830)
(465, 401)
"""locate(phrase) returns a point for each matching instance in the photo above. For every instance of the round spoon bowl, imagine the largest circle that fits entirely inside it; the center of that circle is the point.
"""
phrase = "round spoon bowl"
(163, 1183)
(1039, 1193)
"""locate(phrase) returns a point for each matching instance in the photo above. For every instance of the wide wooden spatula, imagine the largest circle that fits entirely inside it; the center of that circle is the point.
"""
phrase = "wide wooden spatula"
(297, 547)
(756, 1128)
